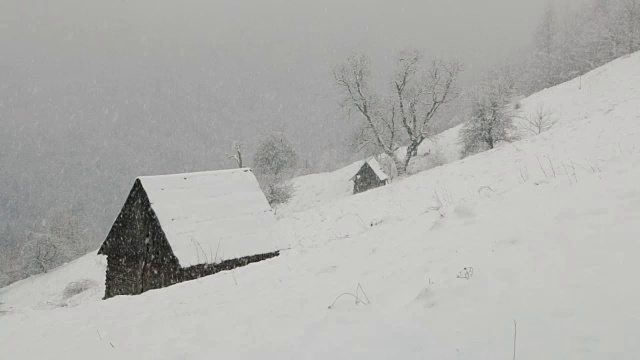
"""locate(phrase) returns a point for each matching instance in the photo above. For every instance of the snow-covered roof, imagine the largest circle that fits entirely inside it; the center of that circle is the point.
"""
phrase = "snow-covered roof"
(377, 168)
(214, 215)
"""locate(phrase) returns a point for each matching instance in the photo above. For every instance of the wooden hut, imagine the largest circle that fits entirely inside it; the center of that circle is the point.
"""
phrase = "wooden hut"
(369, 176)
(174, 228)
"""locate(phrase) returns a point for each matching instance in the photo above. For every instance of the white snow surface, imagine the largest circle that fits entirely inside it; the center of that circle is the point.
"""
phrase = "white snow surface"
(213, 215)
(47, 291)
(543, 231)
(318, 189)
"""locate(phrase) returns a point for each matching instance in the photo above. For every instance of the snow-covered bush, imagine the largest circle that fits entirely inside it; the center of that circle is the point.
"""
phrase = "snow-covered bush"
(274, 163)
(491, 118)
(275, 155)
(277, 191)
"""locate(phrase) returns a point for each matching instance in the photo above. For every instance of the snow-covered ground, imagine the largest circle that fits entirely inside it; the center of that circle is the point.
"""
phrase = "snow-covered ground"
(437, 265)
(319, 189)
(47, 291)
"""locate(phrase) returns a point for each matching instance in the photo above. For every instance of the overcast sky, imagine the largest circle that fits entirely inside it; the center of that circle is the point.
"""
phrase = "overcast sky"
(270, 58)
(270, 40)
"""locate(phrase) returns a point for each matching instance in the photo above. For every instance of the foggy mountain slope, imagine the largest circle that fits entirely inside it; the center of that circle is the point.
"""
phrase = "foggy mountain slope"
(595, 94)
(445, 259)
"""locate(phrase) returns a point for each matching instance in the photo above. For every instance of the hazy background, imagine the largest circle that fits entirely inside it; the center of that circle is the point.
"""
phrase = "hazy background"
(96, 92)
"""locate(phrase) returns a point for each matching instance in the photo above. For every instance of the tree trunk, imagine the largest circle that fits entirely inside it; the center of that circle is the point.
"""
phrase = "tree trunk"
(490, 143)
(398, 164)
(412, 151)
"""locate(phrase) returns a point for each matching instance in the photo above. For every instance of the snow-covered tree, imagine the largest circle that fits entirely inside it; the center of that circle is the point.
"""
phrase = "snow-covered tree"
(380, 128)
(404, 115)
(629, 16)
(571, 43)
(274, 163)
(420, 93)
(275, 155)
(491, 118)
(5, 279)
(545, 66)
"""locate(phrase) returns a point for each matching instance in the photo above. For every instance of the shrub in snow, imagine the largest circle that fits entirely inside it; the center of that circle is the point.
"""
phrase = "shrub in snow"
(540, 121)
(77, 287)
(277, 191)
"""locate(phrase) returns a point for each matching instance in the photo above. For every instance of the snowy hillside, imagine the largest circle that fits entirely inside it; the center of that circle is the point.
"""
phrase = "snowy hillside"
(52, 290)
(437, 265)
(318, 189)
(592, 96)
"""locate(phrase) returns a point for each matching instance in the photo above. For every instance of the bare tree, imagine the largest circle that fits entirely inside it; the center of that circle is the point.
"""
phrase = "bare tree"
(404, 115)
(237, 153)
(421, 95)
(540, 121)
(381, 126)
(43, 251)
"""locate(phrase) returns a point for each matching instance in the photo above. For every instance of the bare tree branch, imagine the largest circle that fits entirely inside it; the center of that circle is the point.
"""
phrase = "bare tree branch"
(417, 96)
